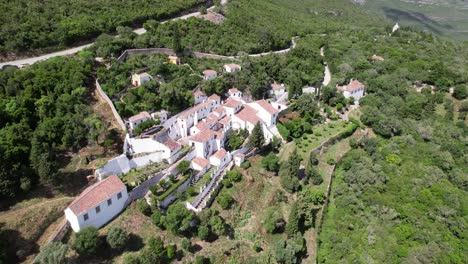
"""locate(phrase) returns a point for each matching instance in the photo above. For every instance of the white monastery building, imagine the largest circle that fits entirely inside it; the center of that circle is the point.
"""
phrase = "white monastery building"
(97, 204)
(139, 79)
(135, 120)
(232, 67)
(354, 89)
(277, 89)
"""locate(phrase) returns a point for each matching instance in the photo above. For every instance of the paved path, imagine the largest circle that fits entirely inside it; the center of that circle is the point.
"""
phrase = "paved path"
(327, 77)
(28, 61)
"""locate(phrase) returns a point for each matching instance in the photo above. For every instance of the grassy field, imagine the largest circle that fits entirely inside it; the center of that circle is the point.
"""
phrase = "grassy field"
(446, 18)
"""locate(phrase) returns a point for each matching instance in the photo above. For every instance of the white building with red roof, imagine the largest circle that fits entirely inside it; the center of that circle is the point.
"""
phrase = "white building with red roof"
(191, 116)
(220, 158)
(135, 120)
(97, 204)
(277, 90)
(209, 75)
(200, 164)
(354, 89)
(232, 67)
(139, 79)
(234, 93)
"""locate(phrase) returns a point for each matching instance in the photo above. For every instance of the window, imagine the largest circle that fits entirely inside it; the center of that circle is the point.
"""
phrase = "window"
(86, 217)
(119, 195)
(98, 209)
(109, 202)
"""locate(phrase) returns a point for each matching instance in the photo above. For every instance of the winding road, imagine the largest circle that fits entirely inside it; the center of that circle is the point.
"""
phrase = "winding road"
(28, 61)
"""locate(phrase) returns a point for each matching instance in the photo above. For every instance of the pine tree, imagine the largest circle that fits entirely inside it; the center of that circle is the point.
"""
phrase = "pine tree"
(256, 139)
(292, 227)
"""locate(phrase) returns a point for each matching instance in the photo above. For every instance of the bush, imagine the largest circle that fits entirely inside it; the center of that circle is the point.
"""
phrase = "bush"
(270, 162)
(460, 92)
(130, 259)
(257, 247)
(86, 241)
(225, 200)
(117, 238)
(143, 207)
(183, 166)
(331, 161)
(185, 244)
(245, 165)
(317, 133)
(203, 232)
(270, 219)
(171, 251)
(54, 252)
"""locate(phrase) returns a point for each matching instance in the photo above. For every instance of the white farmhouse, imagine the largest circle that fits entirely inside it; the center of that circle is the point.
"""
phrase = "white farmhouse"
(139, 79)
(97, 204)
(354, 89)
(199, 96)
(232, 67)
(277, 90)
(135, 120)
(209, 74)
(235, 93)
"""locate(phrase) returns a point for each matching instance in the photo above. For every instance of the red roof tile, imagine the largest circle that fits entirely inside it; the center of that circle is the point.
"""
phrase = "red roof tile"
(220, 153)
(202, 136)
(201, 162)
(171, 144)
(267, 106)
(96, 194)
(198, 92)
(352, 86)
(276, 86)
(142, 115)
(209, 72)
(231, 103)
(233, 90)
(248, 114)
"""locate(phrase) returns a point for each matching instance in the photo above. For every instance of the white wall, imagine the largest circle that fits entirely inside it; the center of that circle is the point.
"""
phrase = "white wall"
(97, 219)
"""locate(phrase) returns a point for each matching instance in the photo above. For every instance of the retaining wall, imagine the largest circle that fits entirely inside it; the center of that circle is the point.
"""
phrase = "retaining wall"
(111, 105)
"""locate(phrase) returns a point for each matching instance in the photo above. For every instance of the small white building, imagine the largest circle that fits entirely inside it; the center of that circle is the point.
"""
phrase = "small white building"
(232, 67)
(161, 115)
(204, 143)
(199, 96)
(239, 158)
(220, 158)
(200, 164)
(97, 204)
(135, 120)
(277, 89)
(209, 74)
(139, 79)
(354, 89)
(235, 93)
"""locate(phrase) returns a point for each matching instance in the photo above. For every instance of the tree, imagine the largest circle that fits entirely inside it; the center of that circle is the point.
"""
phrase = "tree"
(460, 92)
(313, 160)
(154, 252)
(270, 162)
(86, 241)
(225, 200)
(306, 104)
(256, 139)
(171, 251)
(117, 238)
(178, 218)
(176, 43)
(143, 207)
(314, 176)
(157, 219)
(293, 224)
(185, 244)
(271, 219)
(52, 253)
(203, 232)
(183, 166)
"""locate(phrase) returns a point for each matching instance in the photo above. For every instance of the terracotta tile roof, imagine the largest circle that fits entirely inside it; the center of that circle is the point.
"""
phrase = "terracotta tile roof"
(267, 106)
(142, 115)
(233, 90)
(377, 57)
(96, 194)
(144, 75)
(202, 136)
(276, 86)
(233, 66)
(240, 155)
(220, 153)
(219, 111)
(225, 120)
(352, 86)
(209, 72)
(214, 97)
(171, 144)
(231, 103)
(198, 92)
(201, 162)
(192, 110)
(248, 114)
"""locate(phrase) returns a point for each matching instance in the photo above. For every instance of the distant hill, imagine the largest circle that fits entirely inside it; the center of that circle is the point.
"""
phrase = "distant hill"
(446, 18)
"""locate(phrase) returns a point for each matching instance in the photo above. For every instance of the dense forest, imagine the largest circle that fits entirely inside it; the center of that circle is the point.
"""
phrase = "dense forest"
(27, 25)
(44, 112)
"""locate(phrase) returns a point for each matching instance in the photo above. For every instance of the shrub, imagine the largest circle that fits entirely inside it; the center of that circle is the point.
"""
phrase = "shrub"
(117, 238)
(86, 241)
(130, 259)
(245, 165)
(317, 133)
(185, 244)
(270, 219)
(270, 162)
(183, 166)
(171, 251)
(54, 252)
(157, 219)
(143, 207)
(257, 247)
(225, 200)
(203, 232)
(331, 161)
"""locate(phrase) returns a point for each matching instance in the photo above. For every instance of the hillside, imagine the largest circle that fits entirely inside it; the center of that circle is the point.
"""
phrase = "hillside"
(448, 19)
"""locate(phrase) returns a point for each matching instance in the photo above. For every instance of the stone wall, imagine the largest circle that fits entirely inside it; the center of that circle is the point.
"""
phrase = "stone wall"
(111, 105)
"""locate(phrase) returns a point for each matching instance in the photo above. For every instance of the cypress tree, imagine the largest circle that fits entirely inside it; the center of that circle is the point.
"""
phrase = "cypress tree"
(256, 139)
